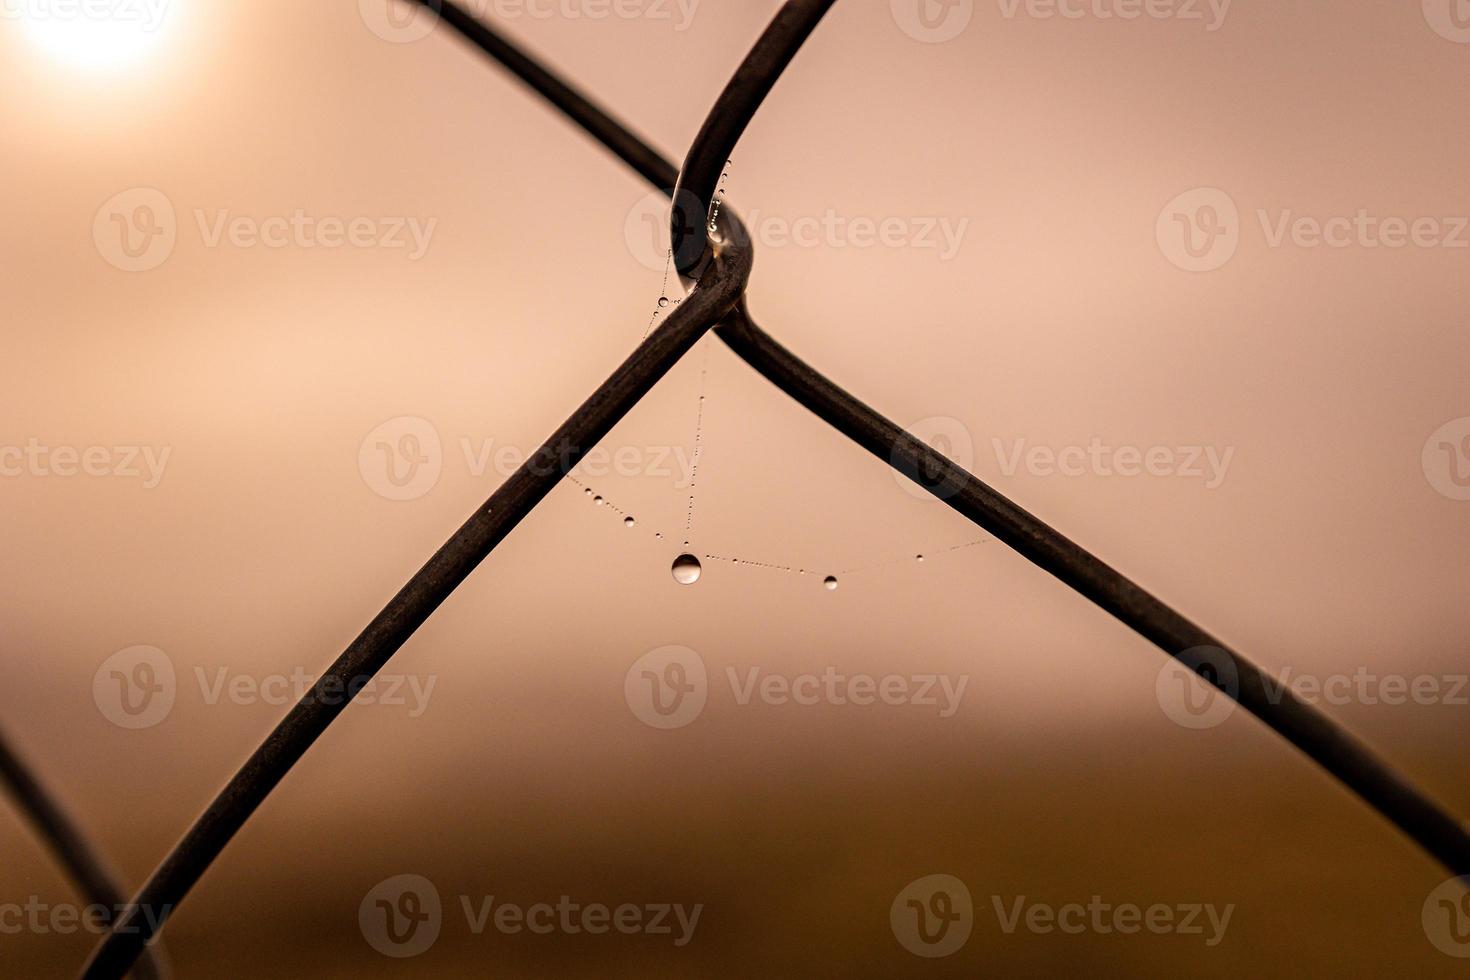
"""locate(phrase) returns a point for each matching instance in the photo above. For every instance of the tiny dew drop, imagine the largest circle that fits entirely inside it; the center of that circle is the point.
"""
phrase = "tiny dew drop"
(663, 302)
(629, 522)
(687, 569)
(921, 559)
(831, 583)
(598, 501)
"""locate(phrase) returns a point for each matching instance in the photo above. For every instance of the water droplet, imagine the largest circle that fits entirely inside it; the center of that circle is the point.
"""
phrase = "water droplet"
(588, 491)
(663, 301)
(687, 569)
(598, 501)
(629, 522)
(831, 583)
(921, 559)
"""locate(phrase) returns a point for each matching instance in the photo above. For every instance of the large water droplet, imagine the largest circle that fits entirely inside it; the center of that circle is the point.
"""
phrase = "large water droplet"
(663, 302)
(831, 583)
(598, 501)
(629, 522)
(687, 569)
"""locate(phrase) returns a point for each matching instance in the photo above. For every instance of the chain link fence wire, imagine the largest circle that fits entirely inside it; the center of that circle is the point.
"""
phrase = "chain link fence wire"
(89, 872)
(716, 255)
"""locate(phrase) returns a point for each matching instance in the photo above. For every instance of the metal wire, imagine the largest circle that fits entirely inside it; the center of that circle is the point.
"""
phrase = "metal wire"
(712, 298)
(95, 881)
(719, 297)
(1327, 743)
(726, 123)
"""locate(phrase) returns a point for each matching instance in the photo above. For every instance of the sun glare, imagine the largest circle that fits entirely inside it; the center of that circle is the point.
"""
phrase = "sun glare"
(95, 35)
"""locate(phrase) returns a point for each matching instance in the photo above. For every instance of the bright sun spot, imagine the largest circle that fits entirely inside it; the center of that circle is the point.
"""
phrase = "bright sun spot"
(95, 35)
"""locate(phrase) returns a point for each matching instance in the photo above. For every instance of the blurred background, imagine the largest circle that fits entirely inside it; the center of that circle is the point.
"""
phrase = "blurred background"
(289, 286)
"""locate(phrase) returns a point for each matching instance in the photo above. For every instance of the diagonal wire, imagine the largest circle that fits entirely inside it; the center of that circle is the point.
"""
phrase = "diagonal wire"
(720, 289)
(1330, 745)
(89, 872)
(160, 896)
